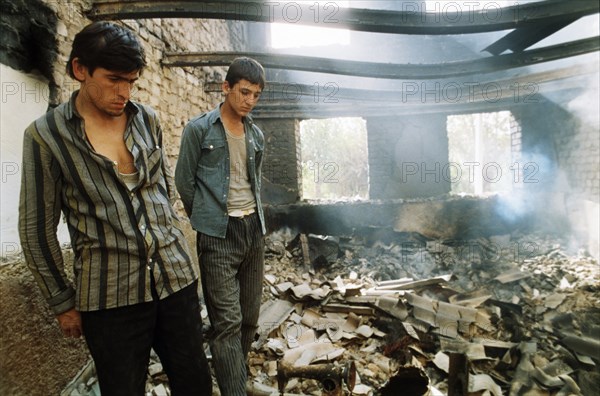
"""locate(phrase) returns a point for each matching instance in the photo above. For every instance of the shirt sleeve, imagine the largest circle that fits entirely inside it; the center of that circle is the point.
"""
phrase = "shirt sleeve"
(260, 159)
(187, 163)
(166, 165)
(39, 214)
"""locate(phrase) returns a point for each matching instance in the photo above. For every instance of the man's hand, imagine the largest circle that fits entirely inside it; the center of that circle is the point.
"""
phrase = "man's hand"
(70, 323)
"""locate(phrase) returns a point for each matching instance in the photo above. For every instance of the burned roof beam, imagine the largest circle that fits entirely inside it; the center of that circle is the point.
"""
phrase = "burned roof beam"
(526, 36)
(390, 70)
(414, 18)
(493, 103)
(450, 97)
(315, 111)
(332, 93)
(505, 101)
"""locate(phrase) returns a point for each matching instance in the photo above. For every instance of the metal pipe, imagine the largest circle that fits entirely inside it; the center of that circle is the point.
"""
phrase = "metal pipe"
(330, 375)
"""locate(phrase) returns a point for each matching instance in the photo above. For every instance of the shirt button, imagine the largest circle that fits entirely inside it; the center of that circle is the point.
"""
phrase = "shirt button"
(149, 269)
(149, 260)
(211, 147)
(158, 147)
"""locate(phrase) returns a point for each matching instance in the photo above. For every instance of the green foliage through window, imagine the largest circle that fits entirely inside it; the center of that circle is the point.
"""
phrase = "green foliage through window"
(334, 159)
(480, 153)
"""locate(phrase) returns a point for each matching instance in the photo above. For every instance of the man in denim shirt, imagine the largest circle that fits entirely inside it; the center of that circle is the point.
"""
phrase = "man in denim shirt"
(218, 177)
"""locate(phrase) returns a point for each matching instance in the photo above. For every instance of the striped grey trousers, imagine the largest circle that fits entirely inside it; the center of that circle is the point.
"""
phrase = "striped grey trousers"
(232, 274)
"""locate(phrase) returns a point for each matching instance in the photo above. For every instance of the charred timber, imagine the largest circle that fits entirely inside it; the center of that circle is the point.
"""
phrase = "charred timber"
(282, 110)
(295, 100)
(524, 37)
(413, 18)
(440, 218)
(458, 375)
(332, 92)
(456, 97)
(390, 70)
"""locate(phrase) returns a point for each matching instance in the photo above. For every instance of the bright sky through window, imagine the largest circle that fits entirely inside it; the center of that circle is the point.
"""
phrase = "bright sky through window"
(290, 34)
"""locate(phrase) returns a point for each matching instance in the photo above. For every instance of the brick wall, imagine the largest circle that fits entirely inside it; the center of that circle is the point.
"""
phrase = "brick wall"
(282, 153)
(407, 156)
(578, 152)
(381, 131)
(567, 145)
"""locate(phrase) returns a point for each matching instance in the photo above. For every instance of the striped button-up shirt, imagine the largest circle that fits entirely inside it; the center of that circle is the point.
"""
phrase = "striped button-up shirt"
(125, 240)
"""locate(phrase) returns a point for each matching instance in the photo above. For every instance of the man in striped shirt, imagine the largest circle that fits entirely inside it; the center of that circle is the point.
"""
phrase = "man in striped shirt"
(98, 159)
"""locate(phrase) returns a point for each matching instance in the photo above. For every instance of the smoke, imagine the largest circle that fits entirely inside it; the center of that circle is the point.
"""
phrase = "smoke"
(586, 105)
(547, 201)
(583, 206)
(534, 177)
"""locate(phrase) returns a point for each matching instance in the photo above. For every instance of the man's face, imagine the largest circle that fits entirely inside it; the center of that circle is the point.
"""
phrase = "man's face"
(242, 97)
(108, 91)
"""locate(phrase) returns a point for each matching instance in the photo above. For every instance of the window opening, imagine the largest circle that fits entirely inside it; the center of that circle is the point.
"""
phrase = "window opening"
(483, 148)
(334, 159)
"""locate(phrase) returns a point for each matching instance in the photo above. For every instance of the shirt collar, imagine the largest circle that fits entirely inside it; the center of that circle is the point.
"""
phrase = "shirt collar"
(216, 115)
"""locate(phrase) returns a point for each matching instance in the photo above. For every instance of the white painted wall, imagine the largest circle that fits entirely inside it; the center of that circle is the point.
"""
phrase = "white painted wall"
(24, 98)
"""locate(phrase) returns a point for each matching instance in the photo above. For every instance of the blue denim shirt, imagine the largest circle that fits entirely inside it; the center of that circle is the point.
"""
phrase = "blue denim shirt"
(202, 172)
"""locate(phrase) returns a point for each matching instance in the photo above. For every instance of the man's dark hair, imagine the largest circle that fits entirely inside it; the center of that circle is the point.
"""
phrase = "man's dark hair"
(245, 68)
(107, 45)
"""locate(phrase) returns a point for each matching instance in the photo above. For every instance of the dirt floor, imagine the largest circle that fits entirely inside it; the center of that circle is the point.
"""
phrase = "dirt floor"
(35, 358)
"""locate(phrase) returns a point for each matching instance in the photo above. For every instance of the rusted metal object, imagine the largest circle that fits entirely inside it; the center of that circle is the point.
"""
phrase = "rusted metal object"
(331, 376)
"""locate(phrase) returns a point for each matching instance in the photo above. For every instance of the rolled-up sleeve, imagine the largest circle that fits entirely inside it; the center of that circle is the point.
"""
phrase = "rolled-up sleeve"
(39, 215)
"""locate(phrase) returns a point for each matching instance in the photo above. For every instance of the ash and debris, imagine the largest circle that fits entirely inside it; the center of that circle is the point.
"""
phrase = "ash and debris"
(523, 309)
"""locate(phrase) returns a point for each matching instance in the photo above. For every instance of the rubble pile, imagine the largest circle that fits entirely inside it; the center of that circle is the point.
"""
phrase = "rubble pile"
(505, 315)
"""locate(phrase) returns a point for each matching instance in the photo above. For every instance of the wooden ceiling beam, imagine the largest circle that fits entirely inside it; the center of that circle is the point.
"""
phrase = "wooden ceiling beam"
(524, 86)
(413, 18)
(485, 96)
(523, 37)
(389, 70)
(371, 110)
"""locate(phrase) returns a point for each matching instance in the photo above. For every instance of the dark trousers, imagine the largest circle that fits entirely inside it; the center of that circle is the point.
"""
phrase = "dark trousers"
(120, 341)
(232, 275)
